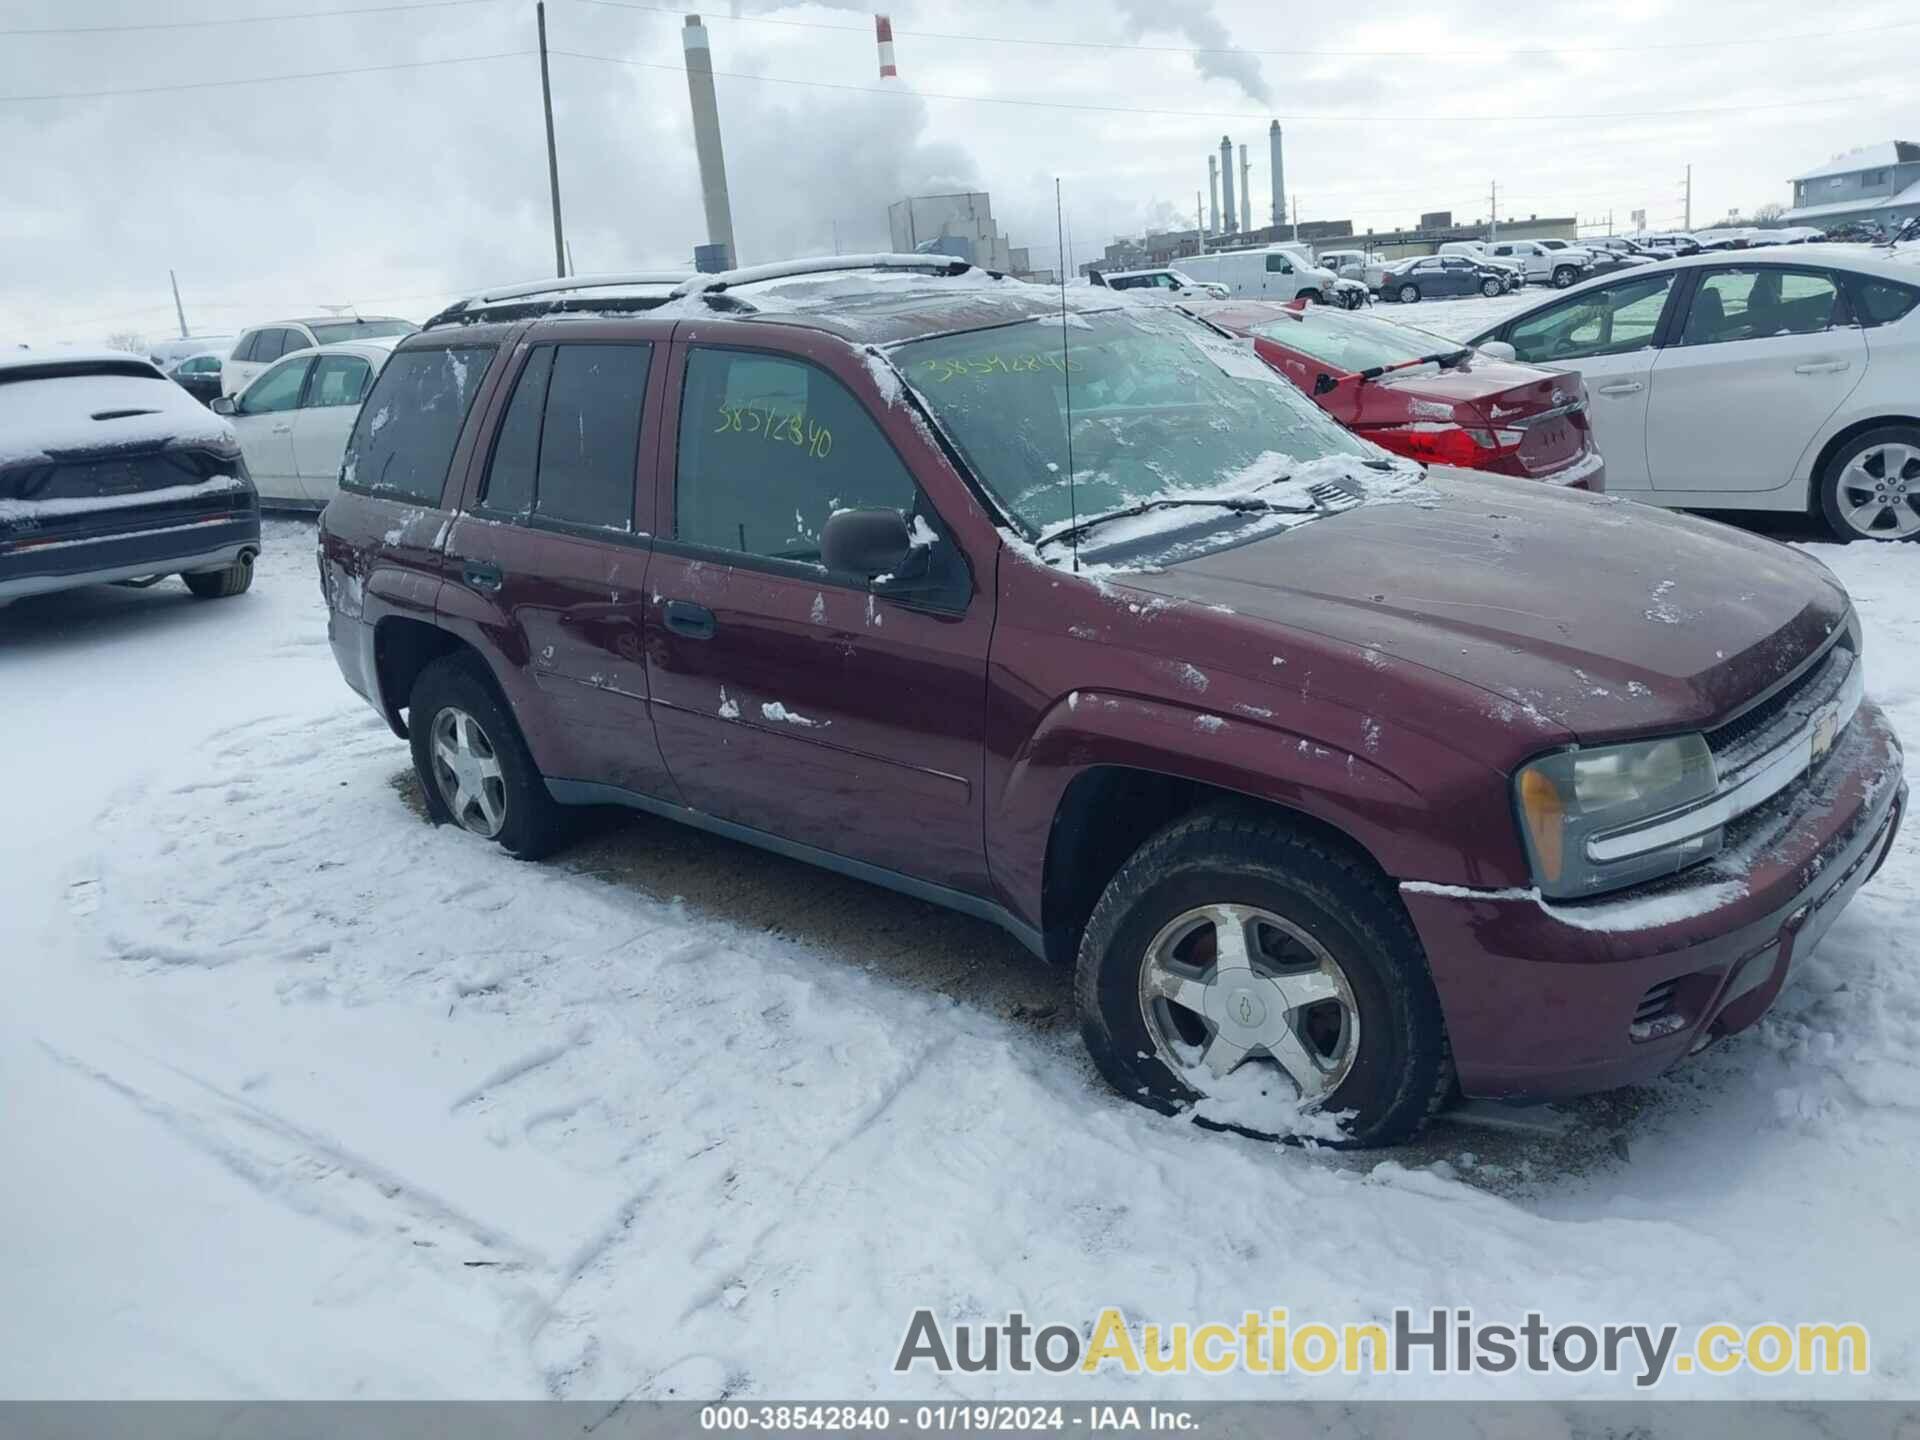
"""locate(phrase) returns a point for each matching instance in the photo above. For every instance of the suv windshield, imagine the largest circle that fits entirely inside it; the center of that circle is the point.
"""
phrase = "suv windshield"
(1350, 342)
(333, 333)
(1163, 408)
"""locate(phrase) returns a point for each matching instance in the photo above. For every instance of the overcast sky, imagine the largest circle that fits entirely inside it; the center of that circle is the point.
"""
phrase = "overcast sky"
(394, 190)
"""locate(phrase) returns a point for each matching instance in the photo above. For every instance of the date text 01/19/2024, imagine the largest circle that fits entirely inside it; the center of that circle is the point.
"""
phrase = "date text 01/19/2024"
(946, 1418)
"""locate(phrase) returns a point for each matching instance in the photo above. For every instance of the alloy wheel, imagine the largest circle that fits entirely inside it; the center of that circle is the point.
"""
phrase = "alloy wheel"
(1878, 492)
(1224, 986)
(1409, 294)
(467, 770)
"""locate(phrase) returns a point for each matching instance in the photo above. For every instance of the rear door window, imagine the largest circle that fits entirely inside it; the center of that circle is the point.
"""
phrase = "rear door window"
(569, 445)
(338, 380)
(1881, 302)
(1760, 303)
(404, 439)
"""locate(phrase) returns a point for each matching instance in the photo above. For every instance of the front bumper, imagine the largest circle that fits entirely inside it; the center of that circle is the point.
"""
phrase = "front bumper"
(189, 546)
(1545, 1000)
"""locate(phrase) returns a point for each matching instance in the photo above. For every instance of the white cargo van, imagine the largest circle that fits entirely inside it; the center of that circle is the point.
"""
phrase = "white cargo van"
(1273, 272)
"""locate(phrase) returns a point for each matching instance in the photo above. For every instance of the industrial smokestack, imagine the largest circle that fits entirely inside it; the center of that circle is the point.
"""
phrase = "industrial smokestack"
(1226, 184)
(1213, 192)
(1246, 192)
(1279, 170)
(706, 144)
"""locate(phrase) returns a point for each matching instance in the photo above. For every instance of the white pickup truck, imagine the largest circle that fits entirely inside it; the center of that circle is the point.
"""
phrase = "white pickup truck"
(1557, 264)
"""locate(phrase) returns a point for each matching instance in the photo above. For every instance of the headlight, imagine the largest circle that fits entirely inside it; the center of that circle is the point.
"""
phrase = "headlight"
(1574, 805)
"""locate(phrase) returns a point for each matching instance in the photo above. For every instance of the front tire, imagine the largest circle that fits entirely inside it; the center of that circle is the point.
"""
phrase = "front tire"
(474, 765)
(1232, 948)
(236, 579)
(1409, 294)
(1870, 489)
(1491, 288)
(1564, 276)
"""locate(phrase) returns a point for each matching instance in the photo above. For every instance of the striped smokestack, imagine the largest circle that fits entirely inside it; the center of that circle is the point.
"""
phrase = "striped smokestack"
(883, 32)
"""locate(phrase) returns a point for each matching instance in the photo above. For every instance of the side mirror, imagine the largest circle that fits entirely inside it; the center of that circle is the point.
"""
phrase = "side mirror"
(1498, 350)
(223, 405)
(870, 543)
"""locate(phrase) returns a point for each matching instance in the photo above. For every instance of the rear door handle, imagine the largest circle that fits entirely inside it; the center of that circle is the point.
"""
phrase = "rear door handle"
(482, 577)
(693, 621)
(1822, 367)
(1623, 387)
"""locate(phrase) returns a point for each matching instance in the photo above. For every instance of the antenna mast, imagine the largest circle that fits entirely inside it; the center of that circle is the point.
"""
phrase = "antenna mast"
(1066, 370)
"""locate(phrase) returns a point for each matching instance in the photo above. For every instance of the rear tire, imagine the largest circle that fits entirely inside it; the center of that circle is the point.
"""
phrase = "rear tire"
(1870, 489)
(1408, 294)
(473, 764)
(1306, 910)
(1491, 288)
(220, 584)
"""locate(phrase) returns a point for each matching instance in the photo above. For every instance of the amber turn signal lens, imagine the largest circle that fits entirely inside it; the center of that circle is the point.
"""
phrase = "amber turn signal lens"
(1546, 813)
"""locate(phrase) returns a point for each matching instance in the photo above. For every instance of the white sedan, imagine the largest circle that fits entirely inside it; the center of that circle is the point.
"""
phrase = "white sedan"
(294, 420)
(1785, 379)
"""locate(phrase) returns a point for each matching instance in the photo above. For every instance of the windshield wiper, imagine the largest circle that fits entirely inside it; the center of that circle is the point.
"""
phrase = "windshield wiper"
(1239, 504)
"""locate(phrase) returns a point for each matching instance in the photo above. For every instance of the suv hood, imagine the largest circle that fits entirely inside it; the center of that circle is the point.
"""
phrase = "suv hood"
(1607, 618)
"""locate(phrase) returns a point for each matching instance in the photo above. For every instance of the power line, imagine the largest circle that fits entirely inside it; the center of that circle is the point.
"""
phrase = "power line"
(236, 19)
(1254, 50)
(1296, 117)
(262, 79)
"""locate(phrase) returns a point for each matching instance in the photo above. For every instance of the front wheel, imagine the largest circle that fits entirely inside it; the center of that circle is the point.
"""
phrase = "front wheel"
(1490, 288)
(473, 764)
(1564, 276)
(236, 579)
(1409, 294)
(1238, 965)
(1870, 489)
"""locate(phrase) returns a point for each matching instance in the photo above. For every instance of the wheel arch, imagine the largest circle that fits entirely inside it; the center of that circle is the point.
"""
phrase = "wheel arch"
(1838, 441)
(1108, 811)
(404, 646)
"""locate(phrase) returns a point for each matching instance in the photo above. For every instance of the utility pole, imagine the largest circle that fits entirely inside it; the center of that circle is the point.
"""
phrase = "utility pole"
(178, 308)
(1493, 211)
(553, 155)
(1687, 224)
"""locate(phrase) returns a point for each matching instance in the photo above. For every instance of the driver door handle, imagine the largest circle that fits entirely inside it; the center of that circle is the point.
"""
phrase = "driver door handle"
(693, 621)
(1823, 367)
(1622, 387)
(283, 429)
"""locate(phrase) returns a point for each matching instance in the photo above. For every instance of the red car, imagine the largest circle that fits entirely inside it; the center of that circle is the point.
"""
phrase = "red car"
(1457, 408)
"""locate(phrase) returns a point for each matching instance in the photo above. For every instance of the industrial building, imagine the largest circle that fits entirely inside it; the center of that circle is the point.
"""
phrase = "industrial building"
(961, 225)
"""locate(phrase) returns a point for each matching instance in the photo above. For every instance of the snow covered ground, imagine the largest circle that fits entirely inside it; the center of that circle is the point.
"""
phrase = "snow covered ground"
(302, 1097)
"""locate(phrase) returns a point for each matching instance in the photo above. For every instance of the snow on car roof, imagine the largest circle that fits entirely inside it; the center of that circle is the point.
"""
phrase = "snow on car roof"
(76, 355)
(73, 407)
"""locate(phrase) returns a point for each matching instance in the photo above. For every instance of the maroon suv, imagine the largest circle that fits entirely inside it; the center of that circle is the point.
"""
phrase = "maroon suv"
(1325, 772)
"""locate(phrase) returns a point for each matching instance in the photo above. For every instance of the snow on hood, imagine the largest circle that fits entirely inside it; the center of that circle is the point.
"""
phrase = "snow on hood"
(42, 419)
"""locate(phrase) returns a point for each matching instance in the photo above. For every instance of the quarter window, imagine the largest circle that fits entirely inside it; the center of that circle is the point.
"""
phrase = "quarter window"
(1615, 321)
(769, 448)
(277, 390)
(569, 444)
(1760, 304)
(404, 439)
(1881, 302)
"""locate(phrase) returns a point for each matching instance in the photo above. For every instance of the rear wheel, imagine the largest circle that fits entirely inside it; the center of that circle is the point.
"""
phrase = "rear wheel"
(1235, 958)
(1870, 489)
(219, 584)
(1409, 293)
(473, 764)
(1490, 288)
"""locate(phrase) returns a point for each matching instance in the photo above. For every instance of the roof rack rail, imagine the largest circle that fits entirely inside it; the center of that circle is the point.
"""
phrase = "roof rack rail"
(946, 265)
(564, 293)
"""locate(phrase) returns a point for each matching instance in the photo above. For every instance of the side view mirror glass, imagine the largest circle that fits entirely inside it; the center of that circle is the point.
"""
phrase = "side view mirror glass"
(1498, 350)
(866, 542)
(223, 405)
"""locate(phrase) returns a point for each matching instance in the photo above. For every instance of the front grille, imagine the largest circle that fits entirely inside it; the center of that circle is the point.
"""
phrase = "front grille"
(1655, 1015)
(1750, 732)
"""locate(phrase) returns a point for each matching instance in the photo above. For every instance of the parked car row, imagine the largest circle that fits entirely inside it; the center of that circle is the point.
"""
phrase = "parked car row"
(293, 421)
(1318, 767)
